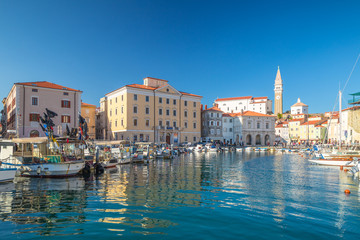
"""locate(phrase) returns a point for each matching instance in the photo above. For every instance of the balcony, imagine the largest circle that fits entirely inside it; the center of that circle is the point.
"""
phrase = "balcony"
(355, 99)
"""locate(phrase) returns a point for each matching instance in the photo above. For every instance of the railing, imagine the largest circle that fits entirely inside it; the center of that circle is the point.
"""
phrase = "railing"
(355, 100)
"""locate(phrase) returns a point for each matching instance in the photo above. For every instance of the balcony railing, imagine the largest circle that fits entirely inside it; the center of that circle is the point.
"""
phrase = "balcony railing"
(355, 100)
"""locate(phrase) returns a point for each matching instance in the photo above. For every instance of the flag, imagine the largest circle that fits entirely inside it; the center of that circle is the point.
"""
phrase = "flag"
(50, 113)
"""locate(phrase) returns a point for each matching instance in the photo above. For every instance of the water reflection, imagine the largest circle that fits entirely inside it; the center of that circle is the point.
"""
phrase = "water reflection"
(197, 192)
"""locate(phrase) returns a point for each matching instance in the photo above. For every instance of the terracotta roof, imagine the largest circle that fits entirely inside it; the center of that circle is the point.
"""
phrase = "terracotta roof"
(255, 114)
(351, 108)
(141, 86)
(232, 98)
(260, 98)
(214, 108)
(259, 102)
(296, 120)
(189, 94)
(45, 84)
(228, 115)
(87, 105)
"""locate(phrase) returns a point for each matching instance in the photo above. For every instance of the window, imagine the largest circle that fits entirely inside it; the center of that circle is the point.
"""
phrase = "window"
(135, 122)
(267, 125)
(135, 97)
(230, 129)
(147, 110)
(122, 122)
(168, 123)
(230, 120)
(34, 101)
(66, 119)
(174, 112)
(34, 90)
(122, 97)
(185, 138)
(194, 125)
(185, 113)
(66, 94)
(174, 101)
(225, 120)
(135, 138)
(185, 124)
(194, 139)
(167, 101)
(194, 104)
(122, 109)
(167, 112)
(174, 124)
(258, 125)
(116, 100)
(110, 113)
(147, 122)
(110, 101)
(160, 100)
(194, 114)
(66, 104)
(34, 117)
(211, 114)
(147, 98)
(115, 123)
(212, 131)
(115, 111)
(160, 123)
(135, 109)
(160, 111)
(217, 115)
(185, 103)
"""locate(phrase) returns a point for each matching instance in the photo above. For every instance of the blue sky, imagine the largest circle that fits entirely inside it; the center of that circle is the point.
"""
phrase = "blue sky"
(211, 48)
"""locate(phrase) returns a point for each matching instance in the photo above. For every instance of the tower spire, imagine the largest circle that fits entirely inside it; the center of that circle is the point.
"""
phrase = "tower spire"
(278, 79)
(278, 90)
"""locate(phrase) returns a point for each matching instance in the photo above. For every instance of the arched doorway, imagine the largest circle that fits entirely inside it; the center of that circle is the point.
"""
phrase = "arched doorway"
(267, 140)
(258, 140)
(168, 138)
(248, 139)
(34, 133)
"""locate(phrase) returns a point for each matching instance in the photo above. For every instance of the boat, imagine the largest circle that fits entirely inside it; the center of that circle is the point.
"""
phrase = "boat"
(41, 157)
(341, 161)
(8, 164)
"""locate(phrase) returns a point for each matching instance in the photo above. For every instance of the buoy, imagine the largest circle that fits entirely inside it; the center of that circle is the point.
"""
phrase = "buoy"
(347, 191)
(341, 167)
(345, 170)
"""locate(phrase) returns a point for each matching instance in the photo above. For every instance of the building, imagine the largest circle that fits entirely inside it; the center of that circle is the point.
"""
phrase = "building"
(211, 119)
(27, 101)
(313, 130)
(294, 128)
(278, 90)
(237, 104)
(153, 111)
(282, 132)
(299, 108)
(248, 128)
(88, 111)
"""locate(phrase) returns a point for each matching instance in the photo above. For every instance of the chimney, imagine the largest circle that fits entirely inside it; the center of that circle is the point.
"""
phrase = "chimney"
(232, 111)
(205, 107)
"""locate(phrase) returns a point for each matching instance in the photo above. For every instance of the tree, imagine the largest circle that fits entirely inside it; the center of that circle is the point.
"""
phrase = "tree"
(279, 116)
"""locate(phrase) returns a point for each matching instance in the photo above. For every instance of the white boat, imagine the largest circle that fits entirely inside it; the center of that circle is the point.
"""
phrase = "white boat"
(345, 162)
(43, 158)
(239, 149)
(199, 148)
(8, 164)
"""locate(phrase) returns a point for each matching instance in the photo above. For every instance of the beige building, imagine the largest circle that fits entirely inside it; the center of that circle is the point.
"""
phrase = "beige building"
(88, 112)
(278, 90)
(27, 101)
(154, 111)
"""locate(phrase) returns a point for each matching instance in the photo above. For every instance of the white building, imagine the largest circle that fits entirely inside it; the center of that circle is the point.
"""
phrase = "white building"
(237, 104)
(299, 108)
(282, 132)
(249, 128)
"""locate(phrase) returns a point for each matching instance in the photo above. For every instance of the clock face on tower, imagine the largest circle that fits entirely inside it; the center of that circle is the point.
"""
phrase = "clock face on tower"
(278, 97)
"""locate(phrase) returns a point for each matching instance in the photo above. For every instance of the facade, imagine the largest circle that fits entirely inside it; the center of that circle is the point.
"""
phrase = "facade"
(248, 128)
(313, 130)
(153, 111)
(27, 101)
(294, 128)
(278, 90)
(211, 119)
(282, 132)
(88, 111)
(299, 108)
(237, 104)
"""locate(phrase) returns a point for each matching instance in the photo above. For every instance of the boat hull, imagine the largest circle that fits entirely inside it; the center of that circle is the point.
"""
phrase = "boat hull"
(7, 174)
(331, 162)
(52, 170)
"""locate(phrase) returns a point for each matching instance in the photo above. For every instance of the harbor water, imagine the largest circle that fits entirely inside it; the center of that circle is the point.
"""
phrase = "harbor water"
(195, 196)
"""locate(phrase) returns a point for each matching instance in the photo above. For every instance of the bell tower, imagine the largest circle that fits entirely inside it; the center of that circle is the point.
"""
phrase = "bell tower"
(278, 108)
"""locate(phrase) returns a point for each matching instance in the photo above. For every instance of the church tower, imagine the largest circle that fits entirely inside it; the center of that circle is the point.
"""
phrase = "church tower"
(278, 93)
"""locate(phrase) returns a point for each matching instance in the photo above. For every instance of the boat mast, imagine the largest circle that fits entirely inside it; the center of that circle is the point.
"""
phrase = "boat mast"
(340, 119)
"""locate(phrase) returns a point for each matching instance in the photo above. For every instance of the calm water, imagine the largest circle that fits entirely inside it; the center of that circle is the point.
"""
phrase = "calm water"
(198, 196)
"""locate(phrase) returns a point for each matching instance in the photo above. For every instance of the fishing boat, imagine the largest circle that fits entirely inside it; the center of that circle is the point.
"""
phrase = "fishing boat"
(43, 158)
(8, 164)
(340, 161)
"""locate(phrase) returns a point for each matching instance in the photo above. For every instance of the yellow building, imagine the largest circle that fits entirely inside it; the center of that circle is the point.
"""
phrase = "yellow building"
(313, 130)
(88, 112)
(294, 128)
(154, 111)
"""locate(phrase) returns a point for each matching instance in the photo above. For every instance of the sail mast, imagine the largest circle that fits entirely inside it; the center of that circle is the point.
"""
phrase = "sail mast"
(340, 119)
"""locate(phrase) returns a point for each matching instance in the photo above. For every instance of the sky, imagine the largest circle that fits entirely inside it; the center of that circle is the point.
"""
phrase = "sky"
(215, 49)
